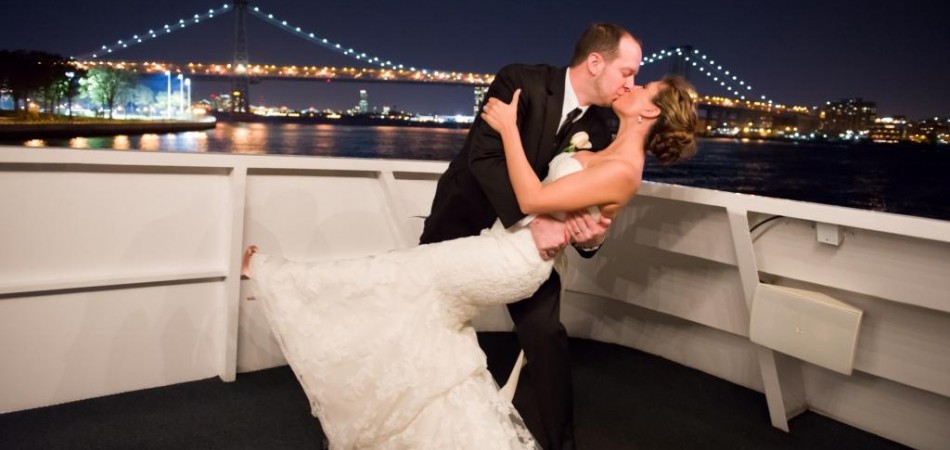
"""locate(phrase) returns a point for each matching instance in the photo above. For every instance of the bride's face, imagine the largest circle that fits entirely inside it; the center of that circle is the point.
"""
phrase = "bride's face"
(638, 100)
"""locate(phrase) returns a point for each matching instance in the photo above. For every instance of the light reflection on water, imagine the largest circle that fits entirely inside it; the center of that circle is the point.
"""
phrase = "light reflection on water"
(80, 142)
(286, 139)
(899, 179)
(150, 142)
(121, 142)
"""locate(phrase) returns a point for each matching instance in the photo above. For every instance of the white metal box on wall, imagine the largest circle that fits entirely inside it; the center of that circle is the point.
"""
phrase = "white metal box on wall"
(807, 325)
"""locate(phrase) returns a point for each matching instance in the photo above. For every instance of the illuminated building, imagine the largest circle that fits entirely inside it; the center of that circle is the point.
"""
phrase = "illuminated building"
(931, 131)
(364, 102)
(719, 116)
(853, 114)
(889, 130)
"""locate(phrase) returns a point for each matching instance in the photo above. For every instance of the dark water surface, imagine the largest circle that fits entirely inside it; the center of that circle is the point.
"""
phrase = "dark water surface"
(900, 179)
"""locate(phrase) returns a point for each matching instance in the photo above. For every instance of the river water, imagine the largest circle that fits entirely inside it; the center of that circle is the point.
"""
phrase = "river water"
(911, 180)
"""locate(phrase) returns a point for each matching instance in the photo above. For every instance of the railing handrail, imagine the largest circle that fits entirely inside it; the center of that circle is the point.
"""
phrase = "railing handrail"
(918, 227)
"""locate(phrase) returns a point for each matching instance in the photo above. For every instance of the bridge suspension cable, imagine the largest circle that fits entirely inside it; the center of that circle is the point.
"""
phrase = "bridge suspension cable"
(267, 17)
(154, 33)
(709, 67)
(335, 46)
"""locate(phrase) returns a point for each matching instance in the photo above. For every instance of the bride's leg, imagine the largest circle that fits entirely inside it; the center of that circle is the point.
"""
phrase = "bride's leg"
(491, 268)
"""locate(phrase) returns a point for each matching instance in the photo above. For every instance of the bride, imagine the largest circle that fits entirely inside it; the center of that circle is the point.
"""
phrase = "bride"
(382, 345)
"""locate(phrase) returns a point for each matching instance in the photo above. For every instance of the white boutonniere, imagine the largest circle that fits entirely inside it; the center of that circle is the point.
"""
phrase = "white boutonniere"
(579, 141)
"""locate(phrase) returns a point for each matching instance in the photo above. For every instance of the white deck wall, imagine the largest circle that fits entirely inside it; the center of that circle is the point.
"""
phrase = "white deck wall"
(120, 273)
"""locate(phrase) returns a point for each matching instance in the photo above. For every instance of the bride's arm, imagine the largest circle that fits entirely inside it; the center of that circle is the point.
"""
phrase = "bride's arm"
(610, 183)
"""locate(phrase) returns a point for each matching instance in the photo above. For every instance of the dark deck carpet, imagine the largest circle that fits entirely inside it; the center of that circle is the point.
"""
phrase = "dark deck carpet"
(625, 399)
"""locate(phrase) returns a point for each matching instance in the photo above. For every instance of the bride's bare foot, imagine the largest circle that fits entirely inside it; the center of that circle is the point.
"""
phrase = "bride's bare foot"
(246, 262)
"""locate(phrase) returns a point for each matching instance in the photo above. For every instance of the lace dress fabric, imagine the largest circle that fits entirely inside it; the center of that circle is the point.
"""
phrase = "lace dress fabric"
(383, 347)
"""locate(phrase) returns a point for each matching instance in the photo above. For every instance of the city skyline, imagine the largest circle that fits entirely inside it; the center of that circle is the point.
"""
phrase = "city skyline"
(806, 55)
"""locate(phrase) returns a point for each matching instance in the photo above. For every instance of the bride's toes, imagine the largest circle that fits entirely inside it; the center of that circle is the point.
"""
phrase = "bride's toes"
(246, 261)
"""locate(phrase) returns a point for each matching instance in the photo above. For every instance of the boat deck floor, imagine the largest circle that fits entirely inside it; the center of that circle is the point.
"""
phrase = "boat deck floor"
(624, 399)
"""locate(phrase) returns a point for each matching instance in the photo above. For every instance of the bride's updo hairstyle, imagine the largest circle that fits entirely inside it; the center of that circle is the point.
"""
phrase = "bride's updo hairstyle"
(673, 137)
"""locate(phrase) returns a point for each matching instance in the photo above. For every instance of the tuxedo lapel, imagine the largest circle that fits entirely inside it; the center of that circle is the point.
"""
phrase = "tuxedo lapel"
(553, 104)
(572, 128)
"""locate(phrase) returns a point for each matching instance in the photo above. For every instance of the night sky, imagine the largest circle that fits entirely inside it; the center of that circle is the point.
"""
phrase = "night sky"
(802, 53)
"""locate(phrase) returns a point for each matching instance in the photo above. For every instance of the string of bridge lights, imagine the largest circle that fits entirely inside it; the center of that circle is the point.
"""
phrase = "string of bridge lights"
(196, 18)
(707, 66)
(330, 45)
(155, 33)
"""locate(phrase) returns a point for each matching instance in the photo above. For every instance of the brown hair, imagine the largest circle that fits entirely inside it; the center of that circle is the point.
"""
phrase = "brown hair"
(673, 137)
(603, 38)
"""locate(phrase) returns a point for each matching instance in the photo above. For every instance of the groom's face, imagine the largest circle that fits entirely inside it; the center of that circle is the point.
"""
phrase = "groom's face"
(616, 77)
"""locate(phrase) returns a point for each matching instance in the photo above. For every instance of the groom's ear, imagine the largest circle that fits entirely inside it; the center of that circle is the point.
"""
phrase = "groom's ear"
(595, 63)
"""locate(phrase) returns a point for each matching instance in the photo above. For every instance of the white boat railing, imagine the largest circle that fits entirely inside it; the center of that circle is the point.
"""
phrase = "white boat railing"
(120, 272)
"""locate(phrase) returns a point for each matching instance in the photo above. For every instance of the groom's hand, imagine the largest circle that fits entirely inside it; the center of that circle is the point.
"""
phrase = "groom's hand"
(586, 233)
(550, 236)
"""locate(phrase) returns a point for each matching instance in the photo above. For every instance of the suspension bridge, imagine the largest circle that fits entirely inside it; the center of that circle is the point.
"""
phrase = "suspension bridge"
(684, 60)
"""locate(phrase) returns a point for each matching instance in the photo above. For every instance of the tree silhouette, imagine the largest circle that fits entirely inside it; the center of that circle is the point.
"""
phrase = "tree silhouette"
(28, 73)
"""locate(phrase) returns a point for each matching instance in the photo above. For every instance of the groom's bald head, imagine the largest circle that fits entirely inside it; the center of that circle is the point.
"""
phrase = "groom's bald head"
(602, 38)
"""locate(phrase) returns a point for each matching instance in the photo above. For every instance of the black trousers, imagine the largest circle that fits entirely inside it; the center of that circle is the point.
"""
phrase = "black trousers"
(544, 396)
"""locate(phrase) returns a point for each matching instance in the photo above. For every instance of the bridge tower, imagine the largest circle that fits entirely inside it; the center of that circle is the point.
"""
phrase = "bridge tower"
(240, 80)
(679, 65)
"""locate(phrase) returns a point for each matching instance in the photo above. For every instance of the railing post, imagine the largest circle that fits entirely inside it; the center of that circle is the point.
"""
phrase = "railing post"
(781, 376)
(232, 290)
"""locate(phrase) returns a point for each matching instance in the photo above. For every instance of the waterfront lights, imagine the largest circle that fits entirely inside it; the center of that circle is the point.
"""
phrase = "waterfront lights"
(181, 94)
(168, 95)
(188, 87)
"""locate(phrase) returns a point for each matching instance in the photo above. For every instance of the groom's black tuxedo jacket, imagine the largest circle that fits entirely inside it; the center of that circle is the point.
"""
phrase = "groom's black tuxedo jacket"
(475, 189)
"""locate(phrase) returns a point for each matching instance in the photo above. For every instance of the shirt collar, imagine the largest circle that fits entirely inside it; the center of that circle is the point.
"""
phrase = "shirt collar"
(570, 98)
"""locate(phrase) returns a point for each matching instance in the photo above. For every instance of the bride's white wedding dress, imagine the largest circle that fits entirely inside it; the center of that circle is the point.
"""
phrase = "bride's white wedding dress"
(383, 347)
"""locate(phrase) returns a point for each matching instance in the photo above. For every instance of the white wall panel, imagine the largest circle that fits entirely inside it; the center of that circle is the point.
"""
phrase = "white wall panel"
(109, 223)
(317, 215)
(679, 227)
(64, 347)
(695, 289)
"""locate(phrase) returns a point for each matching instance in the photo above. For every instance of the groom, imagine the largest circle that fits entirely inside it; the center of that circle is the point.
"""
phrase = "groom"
(475, 190)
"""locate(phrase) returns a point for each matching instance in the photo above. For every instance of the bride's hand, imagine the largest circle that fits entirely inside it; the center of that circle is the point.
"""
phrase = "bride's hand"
(501, 116)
